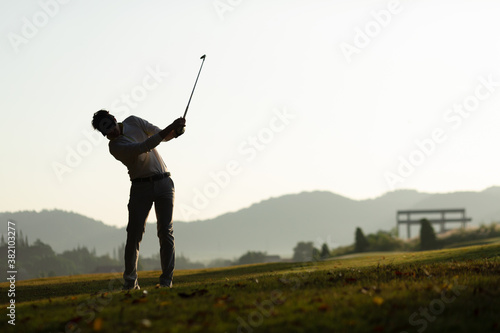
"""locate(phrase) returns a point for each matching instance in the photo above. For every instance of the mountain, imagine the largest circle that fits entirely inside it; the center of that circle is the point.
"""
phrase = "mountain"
(65, 230)
(274, 225)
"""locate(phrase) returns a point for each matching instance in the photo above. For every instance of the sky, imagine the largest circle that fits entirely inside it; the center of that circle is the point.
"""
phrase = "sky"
(354, 97)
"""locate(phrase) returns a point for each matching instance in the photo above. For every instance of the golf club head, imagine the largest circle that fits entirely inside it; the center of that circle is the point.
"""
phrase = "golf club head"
(203, 56)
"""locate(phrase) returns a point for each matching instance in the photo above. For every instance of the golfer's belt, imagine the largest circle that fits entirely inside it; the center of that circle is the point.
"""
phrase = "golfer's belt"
(151, 178)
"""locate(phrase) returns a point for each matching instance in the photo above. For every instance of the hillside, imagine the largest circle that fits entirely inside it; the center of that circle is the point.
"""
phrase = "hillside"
(65, 230)
(274, 225)
(440, 291)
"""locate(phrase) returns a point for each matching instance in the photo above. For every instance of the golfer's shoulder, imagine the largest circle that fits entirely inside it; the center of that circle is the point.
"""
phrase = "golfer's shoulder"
(116, 142)
(133, 120)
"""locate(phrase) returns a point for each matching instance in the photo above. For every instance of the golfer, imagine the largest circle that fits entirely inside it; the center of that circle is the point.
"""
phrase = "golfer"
(133, 143)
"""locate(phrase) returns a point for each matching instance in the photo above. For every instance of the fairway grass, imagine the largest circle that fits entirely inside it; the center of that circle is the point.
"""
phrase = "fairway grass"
(452, 290)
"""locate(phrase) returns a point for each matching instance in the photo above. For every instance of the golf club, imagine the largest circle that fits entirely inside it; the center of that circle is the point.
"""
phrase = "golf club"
(202, 57)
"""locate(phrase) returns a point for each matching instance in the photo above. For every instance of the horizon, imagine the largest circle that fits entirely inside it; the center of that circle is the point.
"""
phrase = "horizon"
(357, 99)
(153, 221)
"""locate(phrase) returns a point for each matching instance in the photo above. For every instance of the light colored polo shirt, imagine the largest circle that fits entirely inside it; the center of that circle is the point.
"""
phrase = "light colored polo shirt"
(135, 148)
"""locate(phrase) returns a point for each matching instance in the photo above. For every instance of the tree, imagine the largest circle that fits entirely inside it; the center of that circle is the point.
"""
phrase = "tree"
(427, 235)
(361, 243)
(316, 255)
(41, 249)
(384, 241)
(20, 239)
(219, 262)
(303, 251)
(325, 251)
(252, 258)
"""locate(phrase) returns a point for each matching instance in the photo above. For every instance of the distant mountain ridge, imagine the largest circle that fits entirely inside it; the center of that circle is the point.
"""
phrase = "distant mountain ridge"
(274, 225)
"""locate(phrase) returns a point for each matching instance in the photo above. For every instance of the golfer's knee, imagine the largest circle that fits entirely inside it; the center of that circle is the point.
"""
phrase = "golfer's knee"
(166, 233)
(134, 236)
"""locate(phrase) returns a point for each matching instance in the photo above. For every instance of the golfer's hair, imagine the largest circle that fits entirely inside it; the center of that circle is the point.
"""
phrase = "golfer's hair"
(103, 120)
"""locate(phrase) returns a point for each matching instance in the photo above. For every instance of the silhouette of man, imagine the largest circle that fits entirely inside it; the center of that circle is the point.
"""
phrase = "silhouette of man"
(133, 143)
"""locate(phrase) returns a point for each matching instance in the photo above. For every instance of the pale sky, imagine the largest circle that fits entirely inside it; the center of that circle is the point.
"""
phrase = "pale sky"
(353, 97)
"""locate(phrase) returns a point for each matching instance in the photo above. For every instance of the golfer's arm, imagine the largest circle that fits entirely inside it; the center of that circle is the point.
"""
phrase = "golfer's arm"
(167, 133)
(122, 150)
(151, 129)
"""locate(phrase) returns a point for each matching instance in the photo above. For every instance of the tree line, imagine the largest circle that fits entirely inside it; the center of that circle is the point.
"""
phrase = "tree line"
(38, 260)
(427, 240)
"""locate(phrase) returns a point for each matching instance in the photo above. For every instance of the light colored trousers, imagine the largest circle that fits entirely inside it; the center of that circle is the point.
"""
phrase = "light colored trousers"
(142, 196)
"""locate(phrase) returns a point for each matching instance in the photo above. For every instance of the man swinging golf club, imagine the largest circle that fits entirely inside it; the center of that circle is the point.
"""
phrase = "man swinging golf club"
(133, 143)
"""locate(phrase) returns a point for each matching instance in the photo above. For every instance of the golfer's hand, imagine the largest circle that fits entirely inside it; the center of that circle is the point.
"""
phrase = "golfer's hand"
(179, 126)
(173, 130)
(179, 122)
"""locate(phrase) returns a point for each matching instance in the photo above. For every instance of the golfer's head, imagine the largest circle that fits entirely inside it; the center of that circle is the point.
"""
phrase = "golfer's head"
(104, 122)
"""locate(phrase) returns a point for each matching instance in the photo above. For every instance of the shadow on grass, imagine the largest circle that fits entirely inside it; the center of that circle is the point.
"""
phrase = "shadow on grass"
(27, 293)
(39, 291)
(219, 275)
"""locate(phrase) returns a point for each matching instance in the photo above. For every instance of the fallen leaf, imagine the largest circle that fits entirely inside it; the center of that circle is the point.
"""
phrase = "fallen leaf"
(323, 307)
(224, 299)
(316, 300)
(76, 319)
(97, 324)
(378, 300)
(364, 290)
(200, 292)
(139, 300)
(219, 304)
(146, 323)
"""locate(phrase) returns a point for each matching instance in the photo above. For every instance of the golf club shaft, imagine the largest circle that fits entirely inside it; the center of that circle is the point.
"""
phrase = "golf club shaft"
(187, 107)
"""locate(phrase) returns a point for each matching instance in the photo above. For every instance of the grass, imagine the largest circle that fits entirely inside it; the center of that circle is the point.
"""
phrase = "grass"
(474, 242)
(452, 290)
